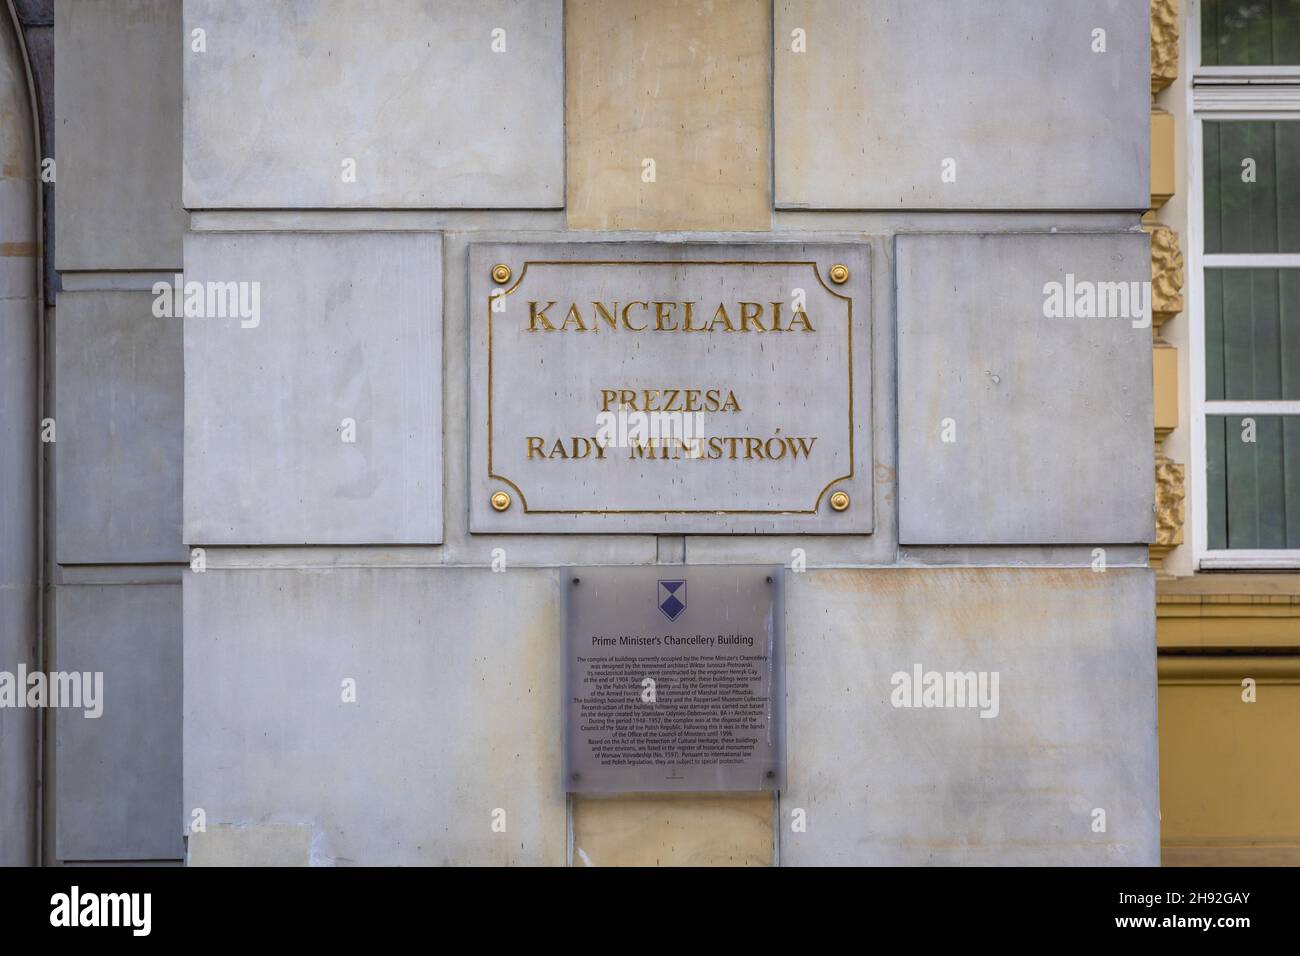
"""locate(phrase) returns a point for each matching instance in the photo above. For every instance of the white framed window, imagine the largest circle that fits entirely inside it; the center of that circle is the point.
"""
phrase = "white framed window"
(1244, 282)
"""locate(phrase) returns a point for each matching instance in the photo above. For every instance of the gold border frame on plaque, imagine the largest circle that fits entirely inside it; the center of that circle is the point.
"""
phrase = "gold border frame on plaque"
(523, 499)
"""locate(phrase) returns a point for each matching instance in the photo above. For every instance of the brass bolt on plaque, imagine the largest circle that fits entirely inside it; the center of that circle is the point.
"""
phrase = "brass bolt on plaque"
(840, 501)
(501, 275)
(500, 501)
(840, 275)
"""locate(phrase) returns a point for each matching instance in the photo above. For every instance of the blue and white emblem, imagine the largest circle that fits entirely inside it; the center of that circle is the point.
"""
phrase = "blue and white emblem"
(672, 598)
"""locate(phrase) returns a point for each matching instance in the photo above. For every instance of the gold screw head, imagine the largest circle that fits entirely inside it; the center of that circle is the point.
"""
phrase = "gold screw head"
(500, 501)
(840, 275)
(500, 273)
(840, 501)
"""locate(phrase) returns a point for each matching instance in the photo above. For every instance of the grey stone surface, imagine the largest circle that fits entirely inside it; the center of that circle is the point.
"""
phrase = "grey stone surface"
(887, 90)
(531, 388)
(40, 53)
(18, 174)
(350, 327)
(457, 710)
(17, 731)
(19, 448)
(19, 445)
(35, 11)
(1075, 728)
(411, 91)
(256, 845)
(119, 409)
(118, 776)
(1023, 556)
(1051, 416)
(19, 442)
(117, 102)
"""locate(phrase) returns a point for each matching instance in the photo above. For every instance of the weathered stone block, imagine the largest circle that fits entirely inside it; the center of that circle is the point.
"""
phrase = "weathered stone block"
(1016, 427)
(456, 711)
(674, 829)
(258, 844)
(119, 413)
(1007, 97)
(118, 795)
(1067, 659)
(117, 102)
(636, 70)
(319, 420)
(400, 104)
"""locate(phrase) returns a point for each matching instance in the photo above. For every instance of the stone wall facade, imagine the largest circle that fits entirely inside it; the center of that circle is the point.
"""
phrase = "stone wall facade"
(231, 561)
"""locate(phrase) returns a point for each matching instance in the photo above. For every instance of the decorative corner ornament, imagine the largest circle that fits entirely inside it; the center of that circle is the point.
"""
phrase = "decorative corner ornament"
(840, 501)
(839, 275)
(501, 275)
(500, 500)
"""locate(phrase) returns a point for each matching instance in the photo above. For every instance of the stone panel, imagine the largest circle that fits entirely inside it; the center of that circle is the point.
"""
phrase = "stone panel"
(1015, 427)
(349, 330)
(117, 102)
(118, 776)
(18, 175)
(456, 712)
(19, 442)
(433, 105)
(1074, 731)
(674, 829)
(682, 84)
(887, 91)
(119, 413)
(17, 730)
(19, 446)
(258, 845)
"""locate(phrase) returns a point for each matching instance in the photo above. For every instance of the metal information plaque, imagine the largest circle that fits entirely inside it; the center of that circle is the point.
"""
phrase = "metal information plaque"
(674, 679)
(705, 388)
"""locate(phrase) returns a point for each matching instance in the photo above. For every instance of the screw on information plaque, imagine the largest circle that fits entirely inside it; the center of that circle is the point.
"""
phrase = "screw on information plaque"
(674, 679)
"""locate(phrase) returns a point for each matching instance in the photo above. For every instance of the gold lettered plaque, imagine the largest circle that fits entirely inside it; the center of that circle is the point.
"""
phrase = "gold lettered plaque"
(670, 388)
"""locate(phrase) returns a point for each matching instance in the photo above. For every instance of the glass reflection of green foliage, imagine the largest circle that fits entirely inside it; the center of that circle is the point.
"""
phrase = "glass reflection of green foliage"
(1252, 486)
(1250, 32)
(1252, 186)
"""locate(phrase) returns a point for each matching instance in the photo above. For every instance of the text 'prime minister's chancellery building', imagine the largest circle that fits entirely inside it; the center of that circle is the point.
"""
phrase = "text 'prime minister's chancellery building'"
(580, 432)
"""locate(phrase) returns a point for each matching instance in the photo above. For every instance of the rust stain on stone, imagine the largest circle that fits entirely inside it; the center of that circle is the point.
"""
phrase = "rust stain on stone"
(17, 249)
(900, 580)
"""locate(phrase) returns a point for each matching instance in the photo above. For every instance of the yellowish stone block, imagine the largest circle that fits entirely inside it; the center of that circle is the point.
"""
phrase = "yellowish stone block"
(253, 845)
(727, 829)
(668, 113)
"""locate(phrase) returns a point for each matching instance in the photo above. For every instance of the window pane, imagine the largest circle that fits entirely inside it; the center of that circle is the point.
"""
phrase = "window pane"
(1252, 334)
(1253, 481)
(1252, 186)
(1250, 32)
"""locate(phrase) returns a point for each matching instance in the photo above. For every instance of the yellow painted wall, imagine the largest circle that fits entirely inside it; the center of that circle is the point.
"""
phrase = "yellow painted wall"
(1230, 770)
